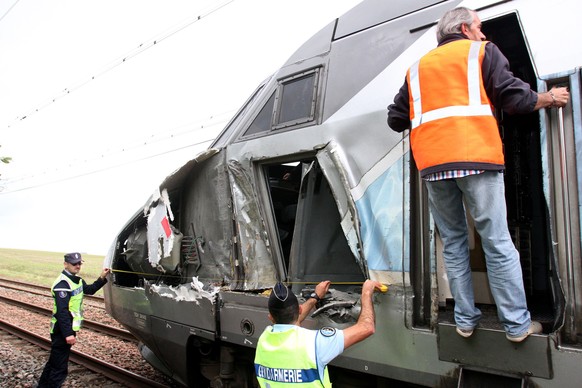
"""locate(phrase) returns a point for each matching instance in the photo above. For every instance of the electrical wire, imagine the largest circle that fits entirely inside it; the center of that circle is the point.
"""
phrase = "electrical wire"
(155, 138)
(142, 143)
(9, 9)
(95, 171)
(112, 65)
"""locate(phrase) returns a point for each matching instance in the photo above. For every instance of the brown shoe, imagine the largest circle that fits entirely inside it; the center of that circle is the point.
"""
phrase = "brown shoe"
(534, 328)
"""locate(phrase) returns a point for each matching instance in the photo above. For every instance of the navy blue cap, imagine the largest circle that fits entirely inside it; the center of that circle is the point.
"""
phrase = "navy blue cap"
(73, 258)
(281, 297)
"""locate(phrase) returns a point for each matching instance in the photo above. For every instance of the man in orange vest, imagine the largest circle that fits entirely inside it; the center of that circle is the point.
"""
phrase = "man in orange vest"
(446, 102)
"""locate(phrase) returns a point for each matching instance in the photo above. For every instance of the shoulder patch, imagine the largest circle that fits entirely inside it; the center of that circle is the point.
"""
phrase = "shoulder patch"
(62, 294)
(327, 331)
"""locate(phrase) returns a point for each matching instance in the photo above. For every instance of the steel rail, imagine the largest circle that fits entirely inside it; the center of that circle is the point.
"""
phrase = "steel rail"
(96, 365)
(47, 290)
(96, 326)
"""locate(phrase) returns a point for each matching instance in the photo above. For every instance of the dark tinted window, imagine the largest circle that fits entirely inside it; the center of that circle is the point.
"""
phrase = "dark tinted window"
(262, 123)
(223, 138)
(293, 103)
(297, 100)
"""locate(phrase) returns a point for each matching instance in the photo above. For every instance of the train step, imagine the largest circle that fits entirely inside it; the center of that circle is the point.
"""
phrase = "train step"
(488, 350)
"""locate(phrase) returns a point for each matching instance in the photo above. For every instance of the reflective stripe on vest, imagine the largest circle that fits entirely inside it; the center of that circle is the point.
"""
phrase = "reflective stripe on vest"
(75, 302)
(474, 108)
(288, 358)
(453, 127)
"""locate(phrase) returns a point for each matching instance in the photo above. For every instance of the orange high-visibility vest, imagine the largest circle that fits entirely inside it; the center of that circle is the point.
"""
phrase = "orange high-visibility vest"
(452, 124)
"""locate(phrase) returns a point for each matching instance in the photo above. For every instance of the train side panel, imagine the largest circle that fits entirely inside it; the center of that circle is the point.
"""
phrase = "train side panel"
(308, 183)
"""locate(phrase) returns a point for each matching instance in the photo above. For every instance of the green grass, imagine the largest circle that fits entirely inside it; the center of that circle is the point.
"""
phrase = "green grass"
(40, 267)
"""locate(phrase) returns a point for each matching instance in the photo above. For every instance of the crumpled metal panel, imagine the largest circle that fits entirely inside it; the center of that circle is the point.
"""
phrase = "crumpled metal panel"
(254, 268)
(329, 159)
(160, 235)
(177, 178)
(206, 219)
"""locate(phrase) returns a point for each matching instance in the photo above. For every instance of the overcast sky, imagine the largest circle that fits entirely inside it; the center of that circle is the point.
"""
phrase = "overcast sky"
(100, 100)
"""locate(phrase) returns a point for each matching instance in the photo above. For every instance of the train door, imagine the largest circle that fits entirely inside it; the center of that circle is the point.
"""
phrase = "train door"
(561, 138)
(542, 196)
(310, 214)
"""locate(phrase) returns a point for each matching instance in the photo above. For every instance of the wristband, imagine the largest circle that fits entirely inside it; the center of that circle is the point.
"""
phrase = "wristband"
(553, 98)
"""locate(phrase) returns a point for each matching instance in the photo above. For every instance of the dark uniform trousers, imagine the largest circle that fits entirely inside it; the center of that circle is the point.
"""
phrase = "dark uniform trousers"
(56, 369)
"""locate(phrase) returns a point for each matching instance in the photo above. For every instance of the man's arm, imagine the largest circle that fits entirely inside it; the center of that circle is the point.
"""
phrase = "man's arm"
(399, 111)
(91, 289)
(557, 97)
(511, 94)
(309, 304)
(366, 325)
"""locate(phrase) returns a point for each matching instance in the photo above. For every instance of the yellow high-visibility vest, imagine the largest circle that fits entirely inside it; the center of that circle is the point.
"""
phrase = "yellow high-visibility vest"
(75, 302)
(287, 358)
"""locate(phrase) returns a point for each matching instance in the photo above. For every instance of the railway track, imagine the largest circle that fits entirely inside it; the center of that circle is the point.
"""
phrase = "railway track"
(104, 355)
(96, 365)
(37, 289)
(92, 325)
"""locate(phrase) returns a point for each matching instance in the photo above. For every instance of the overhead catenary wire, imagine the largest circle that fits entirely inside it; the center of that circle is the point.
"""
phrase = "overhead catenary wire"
(119, 61)
(135, 145)
(73, 169)
(90, 171)
(165, 135)
(8, 11)
(95, 171)
(154, 138)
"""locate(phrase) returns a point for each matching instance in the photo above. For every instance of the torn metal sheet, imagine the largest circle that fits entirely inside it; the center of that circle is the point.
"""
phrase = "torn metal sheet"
(330, 160)
(160, 234)
(255, 266)
(205, 196)
(192, 292)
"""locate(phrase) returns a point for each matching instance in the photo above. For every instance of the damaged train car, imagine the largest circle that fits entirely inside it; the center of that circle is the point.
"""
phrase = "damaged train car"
(307, 183)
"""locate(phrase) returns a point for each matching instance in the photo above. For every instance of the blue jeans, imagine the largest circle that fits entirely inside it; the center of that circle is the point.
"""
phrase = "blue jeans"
(484, 196)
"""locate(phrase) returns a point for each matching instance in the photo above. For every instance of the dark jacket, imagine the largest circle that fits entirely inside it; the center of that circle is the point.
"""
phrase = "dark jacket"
(64, 318)
(505, 91)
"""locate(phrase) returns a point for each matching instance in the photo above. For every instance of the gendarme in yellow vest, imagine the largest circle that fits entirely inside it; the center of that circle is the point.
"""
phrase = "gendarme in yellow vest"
(452, 124)
(75, 303)
(288, 358)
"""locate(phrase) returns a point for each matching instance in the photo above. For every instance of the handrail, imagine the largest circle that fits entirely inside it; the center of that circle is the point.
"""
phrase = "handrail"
(571, 300)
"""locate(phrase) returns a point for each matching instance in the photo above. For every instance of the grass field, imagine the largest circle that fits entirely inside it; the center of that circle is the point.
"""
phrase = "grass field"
(42, 268)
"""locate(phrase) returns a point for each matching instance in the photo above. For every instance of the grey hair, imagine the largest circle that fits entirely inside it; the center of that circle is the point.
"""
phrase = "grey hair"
(452, 21)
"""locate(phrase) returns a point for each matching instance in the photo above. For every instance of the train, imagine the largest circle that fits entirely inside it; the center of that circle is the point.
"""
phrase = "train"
(308, 183)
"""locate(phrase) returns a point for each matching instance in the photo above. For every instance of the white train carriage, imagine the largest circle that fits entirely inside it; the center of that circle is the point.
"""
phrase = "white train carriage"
(308, 183)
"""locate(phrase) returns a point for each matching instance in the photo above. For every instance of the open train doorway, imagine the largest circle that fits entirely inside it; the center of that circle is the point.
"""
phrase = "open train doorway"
(527, 209)
(308, 225)
(284, 183)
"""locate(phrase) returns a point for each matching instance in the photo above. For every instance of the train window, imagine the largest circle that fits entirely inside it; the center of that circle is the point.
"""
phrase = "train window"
(293, 103)
(223, 138)
(262, 123)
(296, 99)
